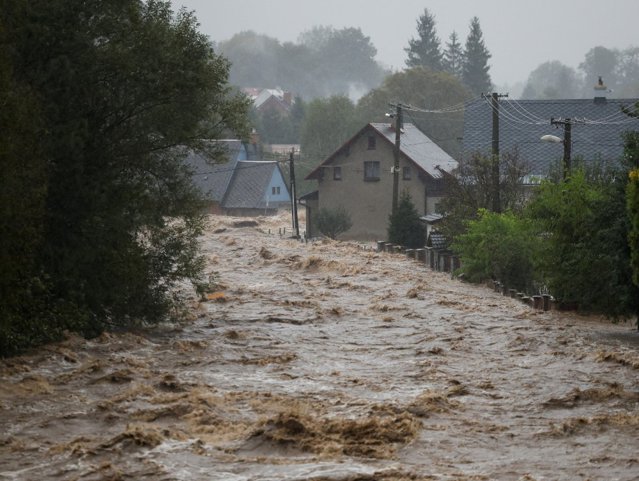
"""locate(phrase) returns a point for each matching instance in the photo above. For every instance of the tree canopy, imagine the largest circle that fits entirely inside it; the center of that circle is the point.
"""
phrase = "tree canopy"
(475, 72)
(107, 95)
(552, 80)
(425, 50)
(324, 62)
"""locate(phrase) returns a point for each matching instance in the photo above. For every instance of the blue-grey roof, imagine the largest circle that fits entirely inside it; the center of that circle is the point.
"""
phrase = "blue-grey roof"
(249, 185)
(596, 131)
(415, 145)
(211, 177)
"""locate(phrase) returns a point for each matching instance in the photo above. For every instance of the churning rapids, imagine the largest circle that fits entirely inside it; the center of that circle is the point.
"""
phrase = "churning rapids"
(329, 361)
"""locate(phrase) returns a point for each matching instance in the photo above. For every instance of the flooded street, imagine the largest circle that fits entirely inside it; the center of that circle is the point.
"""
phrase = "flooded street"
(329, 361)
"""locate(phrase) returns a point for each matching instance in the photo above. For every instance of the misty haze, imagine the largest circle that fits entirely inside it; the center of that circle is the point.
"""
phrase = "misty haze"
(319, 241)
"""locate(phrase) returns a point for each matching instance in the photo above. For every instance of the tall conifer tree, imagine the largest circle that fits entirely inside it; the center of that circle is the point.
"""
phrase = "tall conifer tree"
(425, 50)
(453, 57)
(475, 72)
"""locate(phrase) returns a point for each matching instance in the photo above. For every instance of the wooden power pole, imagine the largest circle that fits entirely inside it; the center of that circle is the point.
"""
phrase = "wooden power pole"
(296, 226)
(396, 151)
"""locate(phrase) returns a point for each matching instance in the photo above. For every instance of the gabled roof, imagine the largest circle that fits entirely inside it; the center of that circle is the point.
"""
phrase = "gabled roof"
(414, 145)
(213, 178)
(249, 184)
(596, 134)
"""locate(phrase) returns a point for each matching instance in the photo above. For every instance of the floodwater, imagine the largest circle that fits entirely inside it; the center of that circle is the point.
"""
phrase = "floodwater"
(329, 361)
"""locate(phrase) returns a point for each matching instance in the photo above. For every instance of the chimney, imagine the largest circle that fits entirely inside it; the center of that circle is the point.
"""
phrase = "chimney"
(600, 91)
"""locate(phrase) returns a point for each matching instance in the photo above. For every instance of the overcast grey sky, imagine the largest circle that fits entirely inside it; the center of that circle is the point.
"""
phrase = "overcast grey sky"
(519, 34)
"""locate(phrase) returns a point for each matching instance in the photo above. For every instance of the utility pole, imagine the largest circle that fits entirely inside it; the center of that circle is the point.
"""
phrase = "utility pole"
(296, 226)
(396, 151)
(567, 124)
(494, 102)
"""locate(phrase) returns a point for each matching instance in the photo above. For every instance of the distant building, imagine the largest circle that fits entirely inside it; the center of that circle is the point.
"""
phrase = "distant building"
(358, 177)
(239, 187)
(597, 126)
(270, 99)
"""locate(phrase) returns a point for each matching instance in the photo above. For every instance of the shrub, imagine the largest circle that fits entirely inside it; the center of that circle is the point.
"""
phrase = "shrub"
(501, 247)
(333, 222)
(404, 226)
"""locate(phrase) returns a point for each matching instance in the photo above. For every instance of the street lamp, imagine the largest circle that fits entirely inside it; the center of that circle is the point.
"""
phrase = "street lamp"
(567, 141)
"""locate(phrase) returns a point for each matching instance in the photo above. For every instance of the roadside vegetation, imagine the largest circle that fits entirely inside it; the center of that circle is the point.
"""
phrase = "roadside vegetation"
(99, 216)
(576, 240)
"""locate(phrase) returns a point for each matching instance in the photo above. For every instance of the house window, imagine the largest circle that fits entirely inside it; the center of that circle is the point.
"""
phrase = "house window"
(371, 171)
(371, 142)
(275, 191)
(406, 174)
(337, 173)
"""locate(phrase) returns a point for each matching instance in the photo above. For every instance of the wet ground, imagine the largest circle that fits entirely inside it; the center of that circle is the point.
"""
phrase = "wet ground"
(329, 361)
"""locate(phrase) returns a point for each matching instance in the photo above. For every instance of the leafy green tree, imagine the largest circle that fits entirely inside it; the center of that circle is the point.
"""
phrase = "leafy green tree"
(333, 222)
(404, 226)
(470, 189)
(475, 73)
(552, 80)
(453, 58)
(425, 89)
(122, 87)
(328, 124)
(599, 62)
(500, 247)
(586, 257)
(631, 156)
(425, 50)
(261, 61)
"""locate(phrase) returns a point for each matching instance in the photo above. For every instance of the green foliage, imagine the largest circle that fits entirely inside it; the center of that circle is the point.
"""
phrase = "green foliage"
(470, 189)
(586, 257)
(332, 222)
(453, 58)
(475, 73)
(632, 203)
(424, 51)
(501, 247)
(425, 89)
(552, 80)
(104, 93)
(404, 226)
(327, 125)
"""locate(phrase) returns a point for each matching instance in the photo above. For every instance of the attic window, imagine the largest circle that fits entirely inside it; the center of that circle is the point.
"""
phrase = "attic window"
(275, 191)
(371, 142)
(406, 173)
(371, 171)
(337, 173)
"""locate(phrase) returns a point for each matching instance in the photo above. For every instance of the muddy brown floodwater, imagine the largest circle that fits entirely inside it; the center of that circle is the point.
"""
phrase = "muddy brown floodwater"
(328, 361)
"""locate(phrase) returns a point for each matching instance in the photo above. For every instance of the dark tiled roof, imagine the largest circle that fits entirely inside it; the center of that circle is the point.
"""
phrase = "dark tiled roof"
(523, 122)
(249, 184)
(213, 178)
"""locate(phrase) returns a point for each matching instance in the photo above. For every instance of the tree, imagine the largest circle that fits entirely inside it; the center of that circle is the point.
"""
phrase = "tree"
(453, 58)
(500, 247)
(599, 62)
(261, 61)
(333, 222)
(424, 51)
(121, 216)
(328, 123)
(585, 259)
(404, 226)
(475, 73)
(470, 190)
(425, 89)
(552, 80)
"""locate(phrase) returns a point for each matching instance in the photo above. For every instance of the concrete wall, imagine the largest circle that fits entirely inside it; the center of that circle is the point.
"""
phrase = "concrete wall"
(370, 202)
